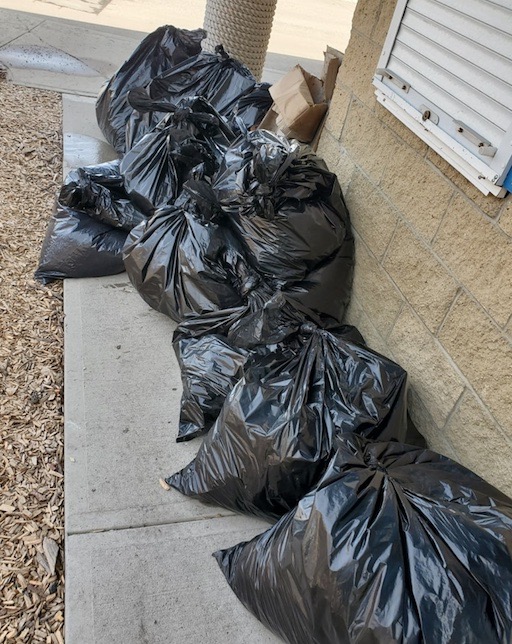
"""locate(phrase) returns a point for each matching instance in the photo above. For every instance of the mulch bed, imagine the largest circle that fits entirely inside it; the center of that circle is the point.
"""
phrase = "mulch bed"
(31, 373)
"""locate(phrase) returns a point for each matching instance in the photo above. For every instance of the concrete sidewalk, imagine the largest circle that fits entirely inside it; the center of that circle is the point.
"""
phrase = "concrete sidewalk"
(301, 28)
(77, 58)
(138, 557)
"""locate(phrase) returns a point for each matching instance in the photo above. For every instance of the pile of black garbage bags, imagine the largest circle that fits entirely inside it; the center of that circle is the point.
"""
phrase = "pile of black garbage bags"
(243, 238)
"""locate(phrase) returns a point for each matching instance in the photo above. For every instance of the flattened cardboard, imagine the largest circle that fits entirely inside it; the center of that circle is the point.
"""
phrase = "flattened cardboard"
(332, 62)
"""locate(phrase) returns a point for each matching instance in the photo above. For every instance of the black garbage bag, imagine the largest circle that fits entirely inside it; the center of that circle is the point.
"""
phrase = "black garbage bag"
(396, 544)
(249, 110)
(183, 262)
(266, 317)
(212, 349)
(220, 79)
(194, 115)
(288, 210)
(99, 191)
(158, 52)
(158, 165)
(76, 245)
(210, 366)
(274, 436)
(89, 226)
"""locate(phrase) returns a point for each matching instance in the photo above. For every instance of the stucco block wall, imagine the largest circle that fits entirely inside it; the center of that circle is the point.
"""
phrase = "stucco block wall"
(433, 279)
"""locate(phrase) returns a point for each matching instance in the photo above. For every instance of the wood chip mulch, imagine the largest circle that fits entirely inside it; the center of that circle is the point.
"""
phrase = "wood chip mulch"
(31, 374)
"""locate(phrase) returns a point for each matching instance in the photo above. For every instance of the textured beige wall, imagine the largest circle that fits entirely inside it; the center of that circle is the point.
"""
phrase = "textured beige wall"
(433, 279)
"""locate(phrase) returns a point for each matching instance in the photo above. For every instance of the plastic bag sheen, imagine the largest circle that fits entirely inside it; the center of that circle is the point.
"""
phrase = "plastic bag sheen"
(158, 165)
(396, 544)
(288, 211)
(88, 229)
(183, 262)
(194, 115)
(209, 367)
(275, 433)
(166, 47)
(212, 349)
(249, 110)
(76, 245)
(220, 79)
(99, 191)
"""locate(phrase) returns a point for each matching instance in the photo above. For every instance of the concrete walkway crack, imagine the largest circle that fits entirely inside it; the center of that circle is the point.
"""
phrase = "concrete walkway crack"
(28, 31)
(156, 524)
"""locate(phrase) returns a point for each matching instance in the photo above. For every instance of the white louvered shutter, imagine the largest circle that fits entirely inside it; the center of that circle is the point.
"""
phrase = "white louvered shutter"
(446, 72)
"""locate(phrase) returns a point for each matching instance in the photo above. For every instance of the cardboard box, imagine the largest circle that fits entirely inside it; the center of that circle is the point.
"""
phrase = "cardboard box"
(299, 103)
(269, 121)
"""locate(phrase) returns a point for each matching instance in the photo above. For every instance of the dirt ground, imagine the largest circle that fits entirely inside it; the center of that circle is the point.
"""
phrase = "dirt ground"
(31, 373)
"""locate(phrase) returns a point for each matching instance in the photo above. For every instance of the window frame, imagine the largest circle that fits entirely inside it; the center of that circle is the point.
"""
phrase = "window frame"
(486, 173)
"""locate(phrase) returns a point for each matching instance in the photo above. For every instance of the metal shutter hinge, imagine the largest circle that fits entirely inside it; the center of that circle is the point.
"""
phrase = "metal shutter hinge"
(484, 147)
(428, 115)
(394, 79)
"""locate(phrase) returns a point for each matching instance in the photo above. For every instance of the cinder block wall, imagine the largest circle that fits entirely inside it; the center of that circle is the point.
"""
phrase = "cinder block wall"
(433, 278)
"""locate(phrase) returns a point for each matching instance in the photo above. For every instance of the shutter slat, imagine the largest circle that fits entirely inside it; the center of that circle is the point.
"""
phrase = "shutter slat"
(475, 53)
(435, 96)
(497, 39)
(486, 12)
(472, 84)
